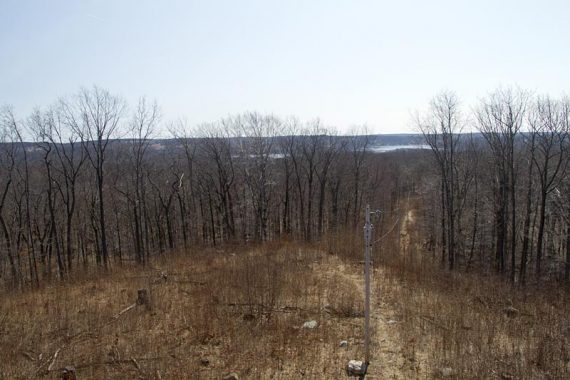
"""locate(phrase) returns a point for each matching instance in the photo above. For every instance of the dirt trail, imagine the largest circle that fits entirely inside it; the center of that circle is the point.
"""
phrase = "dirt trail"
(405, 239)
(387, 358)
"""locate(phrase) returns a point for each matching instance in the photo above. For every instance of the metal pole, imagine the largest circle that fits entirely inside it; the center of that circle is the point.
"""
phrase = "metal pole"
(367, 244)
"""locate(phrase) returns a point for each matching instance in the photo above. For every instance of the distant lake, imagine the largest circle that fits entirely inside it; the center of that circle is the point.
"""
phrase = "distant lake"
(391, 148)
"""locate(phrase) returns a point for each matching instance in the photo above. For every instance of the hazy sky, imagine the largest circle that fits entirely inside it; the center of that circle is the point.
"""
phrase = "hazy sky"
(347, 62)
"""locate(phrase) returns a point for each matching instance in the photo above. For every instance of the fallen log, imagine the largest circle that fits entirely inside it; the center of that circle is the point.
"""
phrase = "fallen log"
(125, 310)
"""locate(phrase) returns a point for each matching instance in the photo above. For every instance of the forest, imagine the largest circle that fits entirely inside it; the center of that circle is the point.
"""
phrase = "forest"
(79, 195)
(85, 182)
(503, 193)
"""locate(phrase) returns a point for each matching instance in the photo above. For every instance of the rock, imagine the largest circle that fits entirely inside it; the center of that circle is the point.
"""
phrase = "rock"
(343, 343)
(231, 376)
(446, 372)
(205, 362)
(391, 322)
(310, 324)
(355, 368)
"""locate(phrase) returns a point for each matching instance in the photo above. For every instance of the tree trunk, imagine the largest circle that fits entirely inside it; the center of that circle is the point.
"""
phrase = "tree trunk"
(540, 238)
(526, 226)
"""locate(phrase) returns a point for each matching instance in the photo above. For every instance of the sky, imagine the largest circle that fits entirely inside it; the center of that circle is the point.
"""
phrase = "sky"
(348, 63)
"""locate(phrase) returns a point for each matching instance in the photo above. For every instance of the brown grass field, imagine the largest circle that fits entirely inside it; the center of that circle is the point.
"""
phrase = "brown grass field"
(213, 313)
(241, 310)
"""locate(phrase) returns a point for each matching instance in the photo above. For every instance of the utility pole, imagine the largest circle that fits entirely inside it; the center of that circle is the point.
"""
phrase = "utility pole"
(355, 367)
(367, 247)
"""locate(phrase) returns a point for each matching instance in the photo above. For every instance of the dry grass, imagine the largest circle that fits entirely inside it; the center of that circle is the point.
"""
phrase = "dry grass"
(241, 310)
(213, 312)
(474, 326)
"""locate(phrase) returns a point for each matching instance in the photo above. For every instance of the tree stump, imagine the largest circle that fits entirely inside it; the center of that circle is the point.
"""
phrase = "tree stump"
(68, 374)
(143, 298)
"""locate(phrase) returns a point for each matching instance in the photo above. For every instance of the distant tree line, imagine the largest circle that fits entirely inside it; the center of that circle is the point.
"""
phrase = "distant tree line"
(84, 183)
(501, 200)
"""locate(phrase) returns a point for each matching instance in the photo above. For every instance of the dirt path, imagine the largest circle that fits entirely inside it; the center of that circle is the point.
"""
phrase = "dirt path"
(407, 225)
(389, 359)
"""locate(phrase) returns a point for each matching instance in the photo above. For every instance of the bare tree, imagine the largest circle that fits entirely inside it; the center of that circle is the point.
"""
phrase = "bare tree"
(257, 148)
(530, 144)
(288, 145)
(500, 119)
(216, 155)
(16, 131)
(328, 152)
(309, 153)
(41, 126)
(94, 115)
(142, 127)
(7, 168)
(441, 128)
(186, 196)
(549, 123)
(358, 145)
